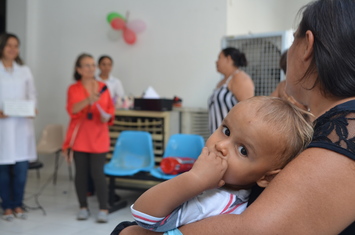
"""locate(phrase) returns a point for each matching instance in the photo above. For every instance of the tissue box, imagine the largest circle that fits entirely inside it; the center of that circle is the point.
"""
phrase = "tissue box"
(153, 104)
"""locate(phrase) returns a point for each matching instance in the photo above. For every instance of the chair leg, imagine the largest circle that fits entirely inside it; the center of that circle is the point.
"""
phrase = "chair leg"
(114, 201)
(111, 191)
(56, 164)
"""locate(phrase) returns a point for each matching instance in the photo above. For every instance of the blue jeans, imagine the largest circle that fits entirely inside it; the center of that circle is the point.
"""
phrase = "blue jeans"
(12, 184)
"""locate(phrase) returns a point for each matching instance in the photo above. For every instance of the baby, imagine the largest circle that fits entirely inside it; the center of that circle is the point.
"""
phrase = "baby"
(258, 137)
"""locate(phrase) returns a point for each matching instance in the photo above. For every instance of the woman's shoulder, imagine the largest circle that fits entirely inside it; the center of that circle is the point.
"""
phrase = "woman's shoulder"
(241, 75)
(75, 86)
(336, 127)
(114, 79)
(241, 78)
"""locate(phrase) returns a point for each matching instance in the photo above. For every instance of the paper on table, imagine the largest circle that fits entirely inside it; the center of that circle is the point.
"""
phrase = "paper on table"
(19, 108)
(102, 112)
(150, 93)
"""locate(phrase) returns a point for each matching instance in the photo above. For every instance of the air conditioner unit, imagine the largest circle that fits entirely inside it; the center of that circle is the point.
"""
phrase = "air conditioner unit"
(194, 121)
(263, 52)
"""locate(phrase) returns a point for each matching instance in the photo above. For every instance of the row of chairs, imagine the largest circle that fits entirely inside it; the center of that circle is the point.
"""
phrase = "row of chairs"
(134, 153)
(133, 159)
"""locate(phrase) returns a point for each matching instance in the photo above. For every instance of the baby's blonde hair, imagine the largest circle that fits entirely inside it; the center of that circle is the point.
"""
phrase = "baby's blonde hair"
(286, 121)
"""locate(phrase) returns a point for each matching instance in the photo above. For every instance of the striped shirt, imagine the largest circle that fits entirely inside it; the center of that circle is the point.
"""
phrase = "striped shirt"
(209, 203)
(220, 102)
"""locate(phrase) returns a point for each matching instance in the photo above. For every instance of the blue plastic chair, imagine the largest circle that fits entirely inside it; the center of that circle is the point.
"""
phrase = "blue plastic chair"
(133, 153)
(180, 145)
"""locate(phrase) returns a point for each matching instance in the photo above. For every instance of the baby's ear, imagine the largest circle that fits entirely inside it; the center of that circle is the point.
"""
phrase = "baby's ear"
(266, 179)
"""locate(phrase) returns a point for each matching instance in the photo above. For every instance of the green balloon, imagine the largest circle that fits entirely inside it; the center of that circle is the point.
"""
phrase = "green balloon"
(113, 15)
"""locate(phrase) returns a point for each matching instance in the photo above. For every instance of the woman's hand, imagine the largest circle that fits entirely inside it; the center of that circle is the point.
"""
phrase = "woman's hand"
(209, 169)
(68, 155)
(2, 115)
(93, 97)
(77, 107)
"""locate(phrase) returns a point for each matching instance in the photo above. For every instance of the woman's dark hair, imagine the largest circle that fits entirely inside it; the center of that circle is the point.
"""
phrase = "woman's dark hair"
(77, 76)
(332, 23)
(104, 57)
(3, 40)
(238, 57)
(283, 61)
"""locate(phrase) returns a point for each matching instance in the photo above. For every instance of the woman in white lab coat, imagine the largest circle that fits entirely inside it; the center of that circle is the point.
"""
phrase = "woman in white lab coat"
(17, 140)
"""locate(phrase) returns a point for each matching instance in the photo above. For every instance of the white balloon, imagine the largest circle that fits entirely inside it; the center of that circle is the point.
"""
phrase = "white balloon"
(114, 35)
(136, 26)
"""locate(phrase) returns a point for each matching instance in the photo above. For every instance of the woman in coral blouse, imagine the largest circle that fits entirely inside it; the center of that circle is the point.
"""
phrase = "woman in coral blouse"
(91, 110)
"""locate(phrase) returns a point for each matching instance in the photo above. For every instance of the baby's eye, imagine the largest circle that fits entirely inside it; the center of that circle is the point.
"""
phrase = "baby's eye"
(243, 150)
(226, 131)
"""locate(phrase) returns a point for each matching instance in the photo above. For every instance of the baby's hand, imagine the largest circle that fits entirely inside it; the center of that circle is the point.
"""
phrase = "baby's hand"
(209, 169)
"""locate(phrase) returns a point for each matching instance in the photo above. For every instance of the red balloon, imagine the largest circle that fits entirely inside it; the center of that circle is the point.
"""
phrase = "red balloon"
(118, 23)
(129, 36)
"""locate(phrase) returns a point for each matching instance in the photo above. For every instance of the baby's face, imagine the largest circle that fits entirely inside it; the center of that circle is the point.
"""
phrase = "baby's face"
(248, 144)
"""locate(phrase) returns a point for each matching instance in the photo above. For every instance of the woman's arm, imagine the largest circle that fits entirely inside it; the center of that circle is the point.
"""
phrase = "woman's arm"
(109, 107)
(77, 107)
(31, 93)
(30, 87)
(314, 194)
(162, 199)
(242, 86)
(119, 90)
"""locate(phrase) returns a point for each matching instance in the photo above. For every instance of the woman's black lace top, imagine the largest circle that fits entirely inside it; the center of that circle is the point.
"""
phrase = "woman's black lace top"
(335, 130)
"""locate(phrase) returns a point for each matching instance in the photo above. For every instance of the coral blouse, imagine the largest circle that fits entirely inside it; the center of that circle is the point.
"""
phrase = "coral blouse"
(84, 134)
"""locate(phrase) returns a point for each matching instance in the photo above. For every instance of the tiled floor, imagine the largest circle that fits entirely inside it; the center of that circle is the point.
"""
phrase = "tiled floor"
(60, 204)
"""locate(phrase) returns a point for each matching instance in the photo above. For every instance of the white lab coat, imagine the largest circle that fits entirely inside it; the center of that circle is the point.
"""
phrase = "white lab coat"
(17, 138)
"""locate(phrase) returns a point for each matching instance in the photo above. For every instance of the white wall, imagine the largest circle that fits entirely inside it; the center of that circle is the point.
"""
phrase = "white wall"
(176, 54)
(260, 16)
(16, 14)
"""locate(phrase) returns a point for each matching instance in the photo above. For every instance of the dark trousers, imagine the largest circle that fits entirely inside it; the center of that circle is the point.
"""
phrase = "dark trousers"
(86, 163)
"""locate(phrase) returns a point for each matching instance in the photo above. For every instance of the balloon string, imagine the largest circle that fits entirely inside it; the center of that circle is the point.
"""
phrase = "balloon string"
(127, 15)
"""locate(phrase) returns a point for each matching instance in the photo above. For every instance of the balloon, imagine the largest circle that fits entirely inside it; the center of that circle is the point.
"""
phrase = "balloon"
(113, 15)
(118, 23)
(136, 26)
(114, 35)
(129, 36)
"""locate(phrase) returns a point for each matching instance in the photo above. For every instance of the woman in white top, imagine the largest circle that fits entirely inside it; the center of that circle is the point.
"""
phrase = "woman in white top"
(17, 139)
(235, 86)
(114, 84)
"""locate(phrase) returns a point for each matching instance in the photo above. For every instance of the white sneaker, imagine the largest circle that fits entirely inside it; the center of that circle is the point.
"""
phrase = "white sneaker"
(83, 214)
(9, 217)
(21, 215)
(102, 217)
